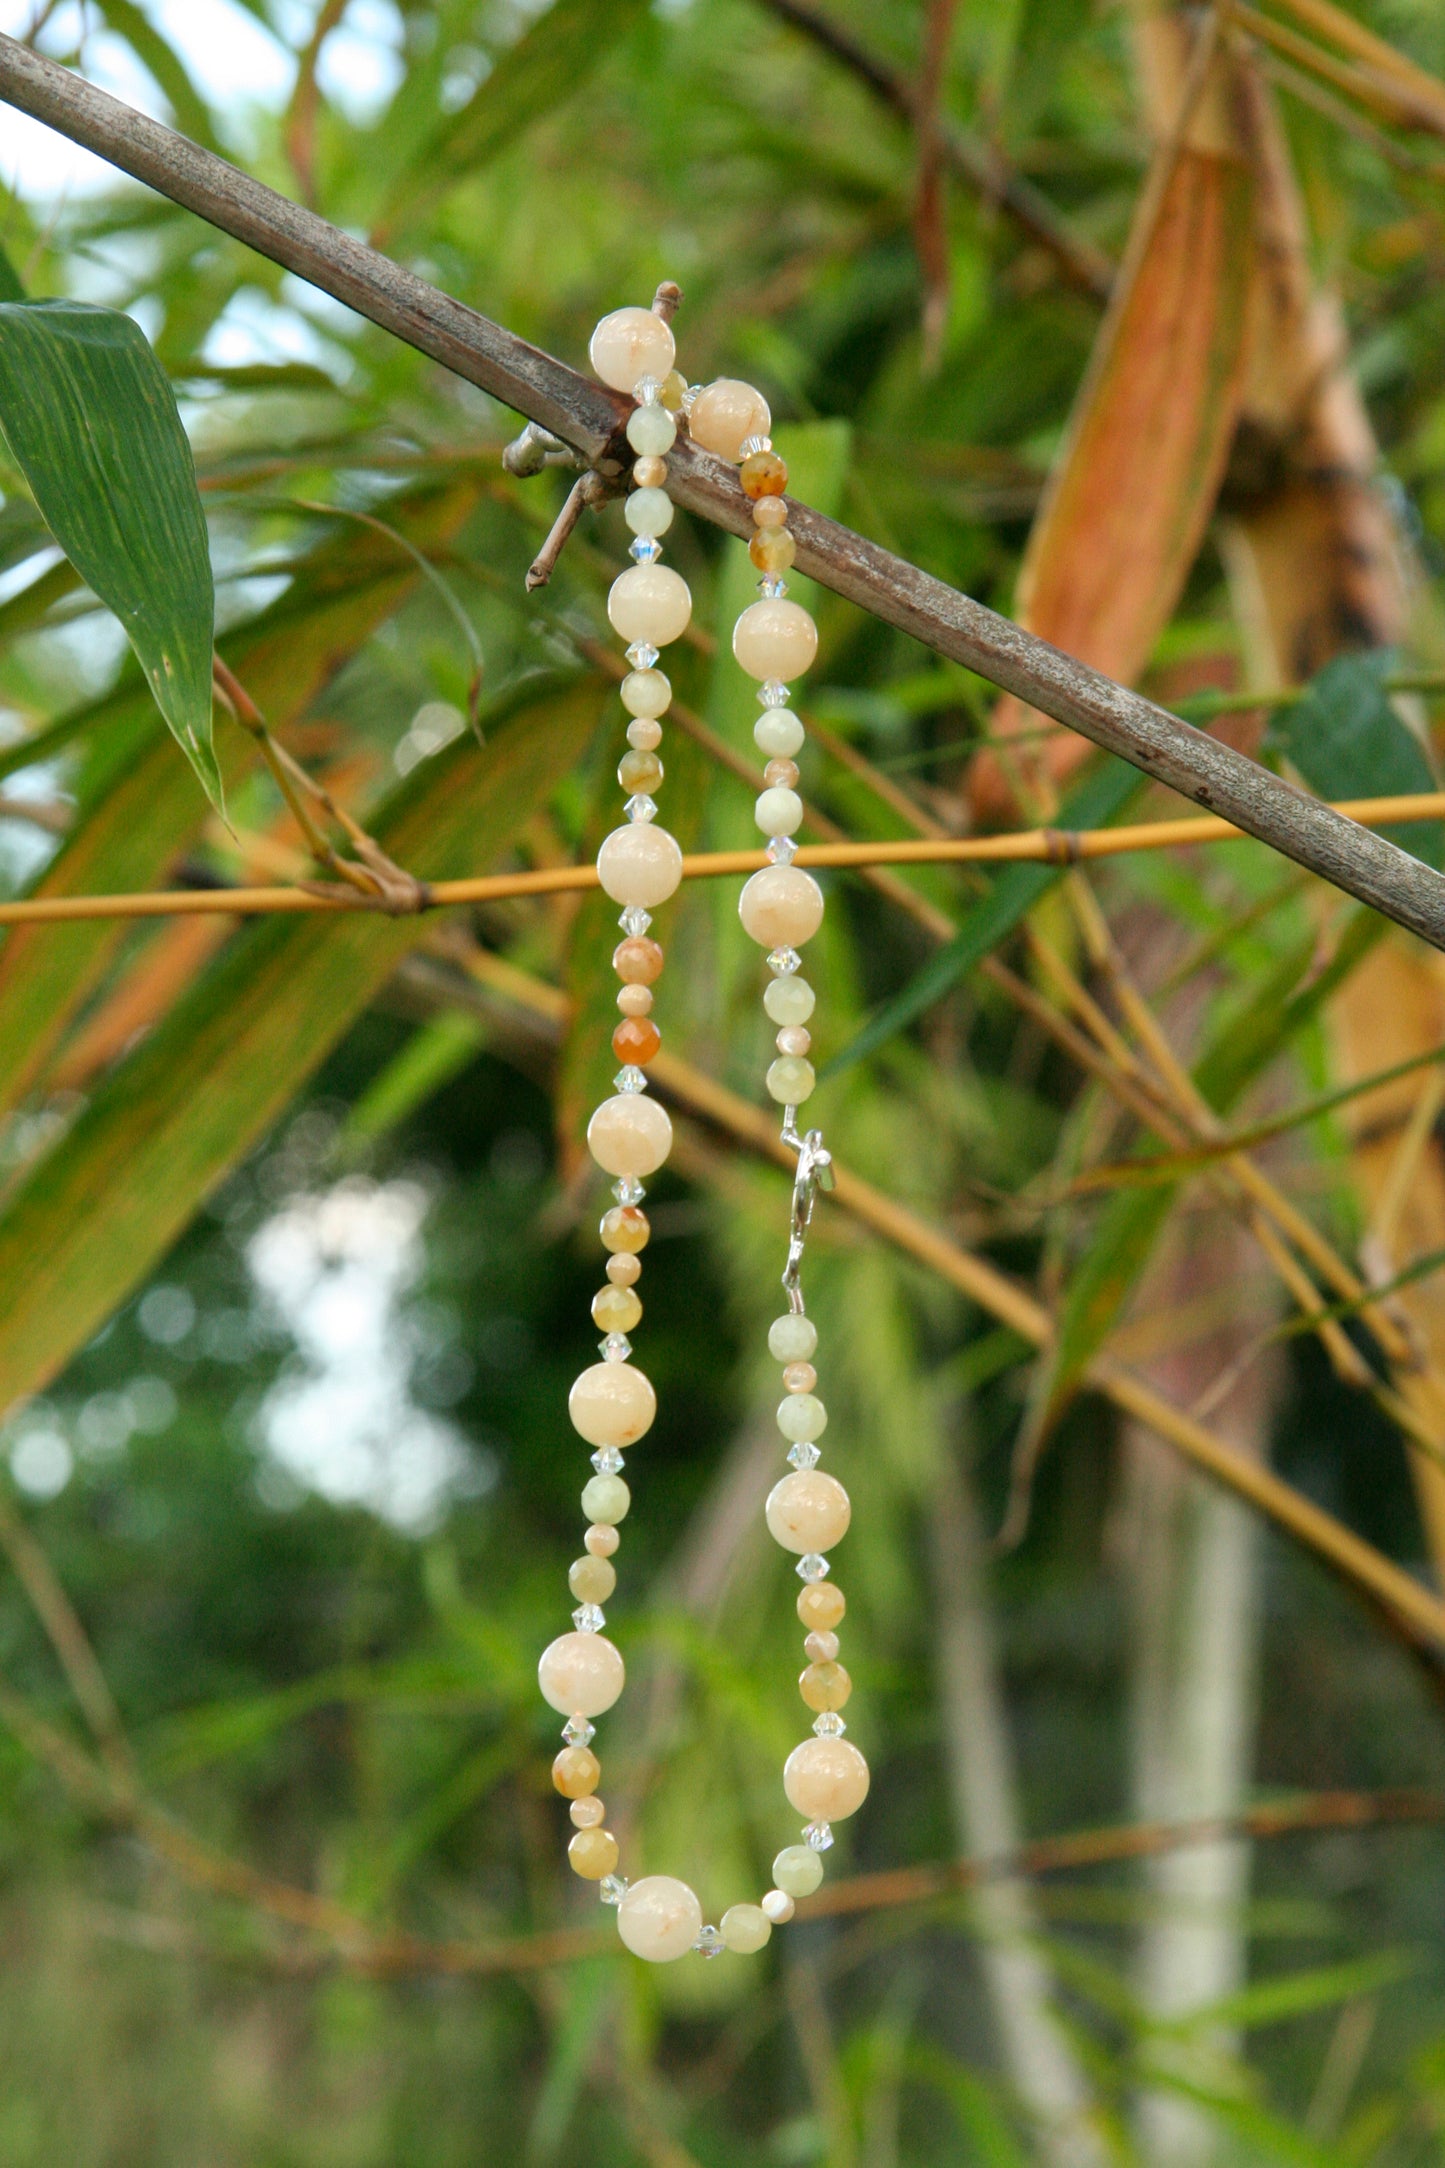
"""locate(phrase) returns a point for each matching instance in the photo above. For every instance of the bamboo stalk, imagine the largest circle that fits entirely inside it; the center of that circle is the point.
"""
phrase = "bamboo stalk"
(1032, 846)
(592, 420)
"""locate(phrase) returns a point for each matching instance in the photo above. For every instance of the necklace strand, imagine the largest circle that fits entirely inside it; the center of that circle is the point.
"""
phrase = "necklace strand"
(612, 1404)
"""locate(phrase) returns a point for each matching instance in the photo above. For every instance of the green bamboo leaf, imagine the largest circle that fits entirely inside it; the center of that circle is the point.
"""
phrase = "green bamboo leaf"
(437, 1051)
(1093, 803)
(1347, 741)
(11, 288)
(91, 420)
(1294, 1994)
(93, 1217)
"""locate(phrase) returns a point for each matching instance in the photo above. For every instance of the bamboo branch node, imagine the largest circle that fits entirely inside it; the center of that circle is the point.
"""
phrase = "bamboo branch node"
(535, 449)
(1061, 847)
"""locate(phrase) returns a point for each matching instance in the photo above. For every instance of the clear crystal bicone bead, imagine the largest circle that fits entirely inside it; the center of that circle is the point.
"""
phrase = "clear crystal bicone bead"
(773, 693)
(829, 1725)
(641, 808)
(607, 1460)
(804, 1455)
(615, 1348)
(630, 1079)
(812, 1566)
(647, 390)
(710, 1942)
(589, 1618)
(642, 654)
(819, 1835)
(634, 920)
(578, 1732)
(750, 445)
(628, 1190)
(645, 550)
(783, 960)
(782, 851)
(773, 589)
(612, 1888)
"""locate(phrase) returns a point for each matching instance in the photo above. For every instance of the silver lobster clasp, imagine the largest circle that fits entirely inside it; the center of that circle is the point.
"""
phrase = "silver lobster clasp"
(814, 1172)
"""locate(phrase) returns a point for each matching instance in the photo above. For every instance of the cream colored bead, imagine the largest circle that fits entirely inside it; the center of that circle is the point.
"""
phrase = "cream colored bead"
(602, 1542)
(659, 1919)
(652, 603)
(587, 1813)
(725, 414)
(798, 1869)
(826, 1779)
(644, 733)
(606, 1498)
(802, 1417)
(634, 1000)
(649, 472)
(799, 1378)
(629, 345)
(779, 812)
(794, 1040)
(642, 864)
(808, 1511)
(777, 1906)
(646, 692)
(793, 1338)
(630, 1135)
(821, 1648)
(780, 907)
(612, 1404)
(624, 1271)
(745, 1928)
(775, 639)
(592, 1853)
(592, 1580)
(581, 1674)
(778, 734)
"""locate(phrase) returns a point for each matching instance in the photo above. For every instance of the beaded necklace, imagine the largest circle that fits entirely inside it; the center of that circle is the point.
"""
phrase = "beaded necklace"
(612, 1404)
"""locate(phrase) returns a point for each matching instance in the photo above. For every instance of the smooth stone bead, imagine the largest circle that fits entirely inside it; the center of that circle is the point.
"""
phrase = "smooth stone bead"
(581, 1674)
(650, 472)
(644, 733)
(652, 604)
(821, 1648)
(629, 345)
(592, 1580)
(725, 414)
(778, 1906)
(772, 639)
(646, 692)
(638, 960)
(792, 1338)
(825, 1686)
(615, 1309)
(648, 511)
(674, 391)
(612, 1404)
(605, 1498)
(587, 1813)
(745, 1928)
(639, 769)
(793, 1039)
(791, 1080)
(799, 1378)
(801, 1418)
(826, 1780)
(624, 1271)
(592, 1853)
(763, 474)
(642, 863)
(780, 906)
(634, 1000)
(789, 999)
(772, 550)
(625, 1229)
(778, 733)
(651, 431)
(821, 1606)
(798, 1869)
(602, 1541)
(781, 774)
(808, 1511)
(576, 1772)
(778, 812)
(630, 1135)
(769, 512)
(659, 1919)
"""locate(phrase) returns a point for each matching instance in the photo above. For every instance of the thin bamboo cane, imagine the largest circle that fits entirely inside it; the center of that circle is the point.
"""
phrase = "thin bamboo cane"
(1032, 846)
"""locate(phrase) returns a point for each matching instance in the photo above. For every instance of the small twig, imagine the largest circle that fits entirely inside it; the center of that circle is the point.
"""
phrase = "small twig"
(588, 489)
(667, 300)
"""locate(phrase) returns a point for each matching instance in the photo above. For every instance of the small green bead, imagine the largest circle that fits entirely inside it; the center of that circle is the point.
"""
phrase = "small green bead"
(777, 733)
(794, 1338)
(651, 431)
(789, 1000)
(606, 1499)
(791, 1079)
(798, 1869)
(802, 1417)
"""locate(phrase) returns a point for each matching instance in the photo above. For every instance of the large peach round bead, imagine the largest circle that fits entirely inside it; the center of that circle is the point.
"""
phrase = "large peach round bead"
(612, 1404)
(808, 1511)
(640, 864)
(629, 1135)
(781, 907)
(774, 639)
(659, 1918)
(826, 1779)
(629, 345)
(581, 1674)
(650, 603)
(725, 414)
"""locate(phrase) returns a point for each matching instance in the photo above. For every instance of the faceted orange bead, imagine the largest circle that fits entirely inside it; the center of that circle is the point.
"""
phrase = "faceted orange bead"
(821, 1606)
(772, 550)
(637, 960)
(576, 1772)
(636, 1039)
(825, 1686)
(593, 1853)
(626, 1227)
(763, 474)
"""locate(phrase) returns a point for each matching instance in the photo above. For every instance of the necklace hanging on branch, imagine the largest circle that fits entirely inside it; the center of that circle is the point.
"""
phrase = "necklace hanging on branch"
(612, 1404)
